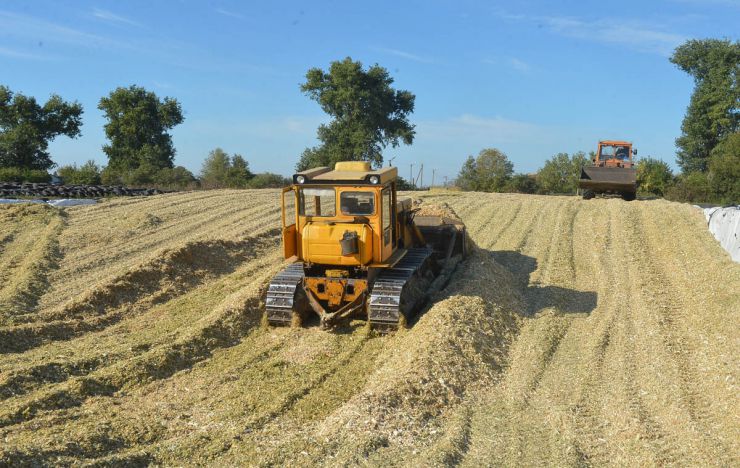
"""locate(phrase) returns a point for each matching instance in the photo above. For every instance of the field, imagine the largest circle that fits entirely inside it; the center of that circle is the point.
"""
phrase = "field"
(578, 333)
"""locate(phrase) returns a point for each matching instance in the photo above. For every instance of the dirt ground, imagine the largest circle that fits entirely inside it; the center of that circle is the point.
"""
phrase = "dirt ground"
(596, 332)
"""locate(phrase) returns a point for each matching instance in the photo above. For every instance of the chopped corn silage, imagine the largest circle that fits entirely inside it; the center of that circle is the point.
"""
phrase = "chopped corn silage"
(578, 332)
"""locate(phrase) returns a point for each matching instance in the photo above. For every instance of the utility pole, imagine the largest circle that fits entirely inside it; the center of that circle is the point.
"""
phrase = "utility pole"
(433, 171)
(390, 161)
(445, 182)
(421, 176)
(411, 174)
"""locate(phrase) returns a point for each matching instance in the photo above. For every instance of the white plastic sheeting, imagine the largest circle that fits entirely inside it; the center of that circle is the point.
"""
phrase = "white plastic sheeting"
(58, 203)
(724, 223)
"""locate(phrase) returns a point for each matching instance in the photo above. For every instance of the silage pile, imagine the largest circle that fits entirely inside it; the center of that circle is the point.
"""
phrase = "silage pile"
(459, 344)
(620, 356)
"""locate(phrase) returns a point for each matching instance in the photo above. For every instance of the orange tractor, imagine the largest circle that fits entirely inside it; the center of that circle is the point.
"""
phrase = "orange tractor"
(612, 171)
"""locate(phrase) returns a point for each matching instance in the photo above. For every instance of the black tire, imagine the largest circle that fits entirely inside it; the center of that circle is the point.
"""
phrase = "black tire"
(628, 196)
(588, 194)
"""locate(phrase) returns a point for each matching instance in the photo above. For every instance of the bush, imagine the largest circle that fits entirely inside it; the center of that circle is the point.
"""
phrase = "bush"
(522, 183)
(692, 187)
(87, 174)
(403, 184)
(18, 174)
(654, 176)
(148, 176)
(268, 180)
(560, 173)
(223, 171)
(489, 172)
(177, 177)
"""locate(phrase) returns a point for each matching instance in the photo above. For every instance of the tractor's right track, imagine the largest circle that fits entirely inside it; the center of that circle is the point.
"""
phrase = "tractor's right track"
(399, 291)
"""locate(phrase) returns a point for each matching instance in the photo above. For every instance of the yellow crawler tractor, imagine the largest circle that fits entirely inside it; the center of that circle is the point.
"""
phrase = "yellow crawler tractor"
(358, 250)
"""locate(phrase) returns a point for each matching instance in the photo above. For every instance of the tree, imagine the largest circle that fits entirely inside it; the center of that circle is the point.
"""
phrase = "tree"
(137, 127)
(238, 175)
(560, 173)
(466, 179)
(221, 170)
(522, 183)
(176, 177)
(654, 176)
(87, 174)
(724, 170)
(489, 172)
(215, 167)
(714, 110)
(367, 114)
(690, 187)
(26, 128)
(268, 180)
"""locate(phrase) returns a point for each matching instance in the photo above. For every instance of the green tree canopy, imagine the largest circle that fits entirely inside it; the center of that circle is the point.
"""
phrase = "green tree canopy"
(490, 171)
(268, 180)
(26, 128)
(367, 114)
(138, 124)
(560, 173)
(87, 174)
(714, 110)
(654, 176)
(724, 170)
(221, 170)
(522, 183)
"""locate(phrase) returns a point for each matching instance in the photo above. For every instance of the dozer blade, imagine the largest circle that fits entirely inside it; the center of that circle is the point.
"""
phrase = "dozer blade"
(608, 179)
(446, 236)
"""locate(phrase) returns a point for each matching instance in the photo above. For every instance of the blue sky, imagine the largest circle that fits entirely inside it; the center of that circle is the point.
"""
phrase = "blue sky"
(531, 78)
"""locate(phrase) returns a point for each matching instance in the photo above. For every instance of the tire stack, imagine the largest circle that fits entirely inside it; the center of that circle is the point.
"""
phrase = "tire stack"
(44, 190)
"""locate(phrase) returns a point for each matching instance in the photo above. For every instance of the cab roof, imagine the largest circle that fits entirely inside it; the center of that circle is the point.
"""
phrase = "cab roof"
(346, 173)
(615, 142)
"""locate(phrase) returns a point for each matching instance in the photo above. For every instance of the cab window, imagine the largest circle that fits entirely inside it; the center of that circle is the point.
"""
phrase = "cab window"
(357, 203)
(387, 214)
(317, 202)
(288, 208)
(607, 152)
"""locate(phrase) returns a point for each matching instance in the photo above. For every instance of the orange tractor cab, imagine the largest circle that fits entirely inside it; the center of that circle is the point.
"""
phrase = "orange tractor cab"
(612, 171)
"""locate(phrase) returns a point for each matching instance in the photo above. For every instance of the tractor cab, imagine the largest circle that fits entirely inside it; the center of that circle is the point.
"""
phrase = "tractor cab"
(342, 217)
(614, 154)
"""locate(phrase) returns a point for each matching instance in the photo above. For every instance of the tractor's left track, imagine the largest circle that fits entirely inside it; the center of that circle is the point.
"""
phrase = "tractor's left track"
(281, 301)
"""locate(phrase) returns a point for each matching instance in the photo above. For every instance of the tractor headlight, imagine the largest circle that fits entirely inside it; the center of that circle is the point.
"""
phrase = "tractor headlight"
(300, 179)
(374, 180)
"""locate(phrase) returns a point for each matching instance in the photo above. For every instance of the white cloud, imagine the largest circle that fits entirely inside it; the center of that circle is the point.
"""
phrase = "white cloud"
(110, 16)
(7, 52)
(36, 29)
(634, 34)
(403, 54)
(519, 65)
(637, 35)
(232, 14)
(511, 62)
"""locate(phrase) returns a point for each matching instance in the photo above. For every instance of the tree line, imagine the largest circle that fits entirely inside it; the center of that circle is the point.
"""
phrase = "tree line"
(140, 150)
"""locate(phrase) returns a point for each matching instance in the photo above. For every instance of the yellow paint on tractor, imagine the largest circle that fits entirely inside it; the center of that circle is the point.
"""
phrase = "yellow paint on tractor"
(347, 232)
